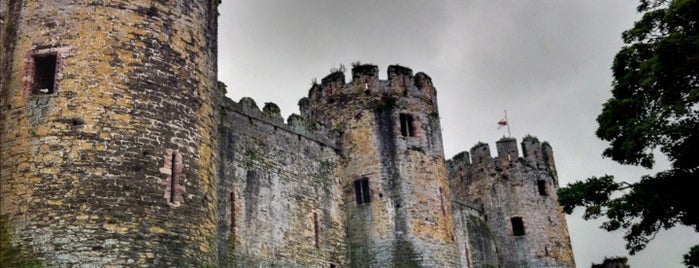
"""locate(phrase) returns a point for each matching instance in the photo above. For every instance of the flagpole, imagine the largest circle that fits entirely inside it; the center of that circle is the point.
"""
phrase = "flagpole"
(509, 135)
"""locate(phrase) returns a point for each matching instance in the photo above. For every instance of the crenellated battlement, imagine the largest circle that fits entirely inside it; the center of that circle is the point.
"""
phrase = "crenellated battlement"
(270, 114)
(534, 153)
(366, 84)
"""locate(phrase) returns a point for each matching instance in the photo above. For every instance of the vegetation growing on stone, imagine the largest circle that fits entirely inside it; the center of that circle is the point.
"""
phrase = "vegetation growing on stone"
(386, 103)
(12, 255)
(222, 87)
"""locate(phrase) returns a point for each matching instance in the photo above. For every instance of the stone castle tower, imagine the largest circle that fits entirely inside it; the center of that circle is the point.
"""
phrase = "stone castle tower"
(392, 156)
(108, 130)
(516, 197)
(118, 148)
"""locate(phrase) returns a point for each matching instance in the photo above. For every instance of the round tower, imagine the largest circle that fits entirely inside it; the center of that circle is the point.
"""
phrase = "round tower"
(519, 202)
(108, 130)
(397, 195)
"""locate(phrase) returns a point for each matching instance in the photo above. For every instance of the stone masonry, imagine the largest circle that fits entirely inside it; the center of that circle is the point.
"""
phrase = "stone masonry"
(81, 163)
(118, 149)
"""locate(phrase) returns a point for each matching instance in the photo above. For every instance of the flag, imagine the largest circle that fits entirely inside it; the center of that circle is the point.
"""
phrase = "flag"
(502, 123)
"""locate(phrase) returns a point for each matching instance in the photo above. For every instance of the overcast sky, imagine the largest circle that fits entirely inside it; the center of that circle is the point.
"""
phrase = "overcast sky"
(547, 62)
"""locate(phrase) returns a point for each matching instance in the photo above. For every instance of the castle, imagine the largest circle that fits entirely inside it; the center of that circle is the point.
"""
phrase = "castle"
(119, 149)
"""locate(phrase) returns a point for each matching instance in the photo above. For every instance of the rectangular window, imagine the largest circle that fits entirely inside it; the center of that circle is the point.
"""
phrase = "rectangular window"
(441, 201)
(542, 187)
(361, 191)
(316, 229)
(407, 127)
(44, 74)
(517, 226)
(231, 203)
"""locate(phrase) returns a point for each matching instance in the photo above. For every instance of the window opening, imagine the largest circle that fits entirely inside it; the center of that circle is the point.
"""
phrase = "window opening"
(231, 202)
(44, 74)
(517, 226)
(316, 229)
(541, 184)
(361, 191)
(332, 265)
(407, 128)
(173, 178)
(441, 201)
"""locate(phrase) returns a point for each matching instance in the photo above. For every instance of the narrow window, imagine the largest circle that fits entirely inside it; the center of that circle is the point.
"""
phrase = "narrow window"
(441, 201)
(173, 178)
(316, 229)
(407, 128)
(231, 203)
(332, 265)
(517, 226)
(541, 184)
(44, 74)
(361, 191)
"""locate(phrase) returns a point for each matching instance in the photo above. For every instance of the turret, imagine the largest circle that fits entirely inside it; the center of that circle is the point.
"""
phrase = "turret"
(398, 205)
(480, 154)
(108, 131)
(532, 151)
(507, 150)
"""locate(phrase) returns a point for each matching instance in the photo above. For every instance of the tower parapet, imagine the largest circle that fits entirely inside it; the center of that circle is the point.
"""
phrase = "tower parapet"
(367, 86)
(534, 153)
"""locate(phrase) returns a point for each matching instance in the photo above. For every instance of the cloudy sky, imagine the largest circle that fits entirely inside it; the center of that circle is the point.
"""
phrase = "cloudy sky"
(546, 62)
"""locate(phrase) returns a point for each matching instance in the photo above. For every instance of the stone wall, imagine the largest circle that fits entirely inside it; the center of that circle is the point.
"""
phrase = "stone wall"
(112, 163)
(280, 197)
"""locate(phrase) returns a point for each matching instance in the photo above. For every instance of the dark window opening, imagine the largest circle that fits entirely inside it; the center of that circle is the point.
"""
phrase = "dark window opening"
(517, 226)
(332, 265)
(441, 201)
(316, 228)
(231, 202)
(541, 184)
(361, 191)
(407, 127)
(173, 178)
(44, 74)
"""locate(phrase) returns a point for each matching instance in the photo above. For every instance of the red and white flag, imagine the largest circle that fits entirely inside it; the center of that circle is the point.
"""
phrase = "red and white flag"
(502, 123)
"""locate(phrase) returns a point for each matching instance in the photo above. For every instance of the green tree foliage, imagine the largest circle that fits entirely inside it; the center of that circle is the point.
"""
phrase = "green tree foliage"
(691, 259)
(612, 262)
(12, 255)
(654, 108)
